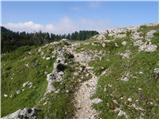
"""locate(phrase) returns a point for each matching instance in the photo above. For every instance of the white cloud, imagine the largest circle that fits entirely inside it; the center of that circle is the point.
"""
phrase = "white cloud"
(64, 25)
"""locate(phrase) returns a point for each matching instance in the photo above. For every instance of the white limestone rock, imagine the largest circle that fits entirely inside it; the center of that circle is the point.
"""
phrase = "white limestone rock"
(124, 43)
(48, 58)
(26, 113)
(125, 77)
(18, 92)
(148, 47)
(5, 95)
(96, 100)
(126, 54)
(150, 35)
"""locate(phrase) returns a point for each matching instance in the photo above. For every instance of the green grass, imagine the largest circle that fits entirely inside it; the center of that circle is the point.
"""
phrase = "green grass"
(15, 73)
(61, 104)
(117, 67)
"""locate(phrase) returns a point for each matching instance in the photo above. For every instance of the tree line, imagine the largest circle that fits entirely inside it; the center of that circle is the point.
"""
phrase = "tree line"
(11, 40)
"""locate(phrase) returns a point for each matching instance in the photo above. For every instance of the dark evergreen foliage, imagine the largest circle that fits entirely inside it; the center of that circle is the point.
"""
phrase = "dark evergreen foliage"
(11, 40)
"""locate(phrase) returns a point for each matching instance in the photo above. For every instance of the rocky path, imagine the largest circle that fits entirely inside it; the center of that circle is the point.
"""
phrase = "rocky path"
(83, 102)
(83, 99)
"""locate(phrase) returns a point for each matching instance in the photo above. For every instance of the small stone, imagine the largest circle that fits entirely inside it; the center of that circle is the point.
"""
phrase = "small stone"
(48, 58)
(5, 95)
(103, 45)
(115, 101)
(116, 44)
(124, 43)
(42, 53)
(87, 74)
(67, 91)
(61, 73)
(75, 73)
(125, 77)
(151, 103)
(140, 72)
(39, 50)
(121, 98)
(18, 92)
(97, 101)
(130, 99)
(27, 65)
(139, 89)
(156, 70)
(126, 54)
(122, 113)
(45, 103)
(109, 85)
(25, 84)
(105, 89)
(57, 91)
(29, 53)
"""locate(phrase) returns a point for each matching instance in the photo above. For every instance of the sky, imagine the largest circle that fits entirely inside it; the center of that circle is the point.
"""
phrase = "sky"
(66, 17)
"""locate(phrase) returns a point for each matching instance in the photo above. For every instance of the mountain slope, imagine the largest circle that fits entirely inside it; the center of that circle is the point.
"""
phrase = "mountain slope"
(111, 75)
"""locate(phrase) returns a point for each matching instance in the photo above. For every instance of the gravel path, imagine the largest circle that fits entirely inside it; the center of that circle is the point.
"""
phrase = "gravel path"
(83, 101)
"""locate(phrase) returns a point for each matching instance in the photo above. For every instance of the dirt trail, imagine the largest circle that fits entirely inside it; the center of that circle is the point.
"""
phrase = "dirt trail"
(83, 100)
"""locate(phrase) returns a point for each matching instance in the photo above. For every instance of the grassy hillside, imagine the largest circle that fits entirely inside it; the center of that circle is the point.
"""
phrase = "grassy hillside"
(125, 63)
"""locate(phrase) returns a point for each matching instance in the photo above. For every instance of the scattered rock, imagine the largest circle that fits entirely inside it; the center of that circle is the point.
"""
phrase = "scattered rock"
(148, 47)
(121, 113)
(125, 77)
(26, 113)
(124, 43)
(96, 100)
(156, 70)
(109, 85)
(140, 89)
(27, 65)
(101, 37)
(116, 44)
(156, 73)
(136, 107)
(140, 72)
(75, 73)
(103, 45)
(150, 35)
(126, 54)
(67, 91)
(138, 42)
(5, 95)
(57, 91)
(27, 84)
(18, 92)
(48, 58)
(129, 99)
(115, 101)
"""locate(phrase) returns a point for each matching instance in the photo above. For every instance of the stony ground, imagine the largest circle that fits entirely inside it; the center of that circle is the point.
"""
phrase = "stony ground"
(111, 75)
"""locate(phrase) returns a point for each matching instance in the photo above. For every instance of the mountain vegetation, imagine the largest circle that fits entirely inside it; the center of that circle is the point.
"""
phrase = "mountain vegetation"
(111, 75)
(11, 40)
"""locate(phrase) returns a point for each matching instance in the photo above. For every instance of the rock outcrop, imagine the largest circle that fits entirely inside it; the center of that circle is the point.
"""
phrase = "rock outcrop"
(26, 113)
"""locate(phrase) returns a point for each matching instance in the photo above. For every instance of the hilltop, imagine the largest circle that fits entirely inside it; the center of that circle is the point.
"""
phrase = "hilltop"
(114, 74)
